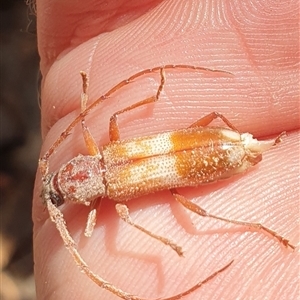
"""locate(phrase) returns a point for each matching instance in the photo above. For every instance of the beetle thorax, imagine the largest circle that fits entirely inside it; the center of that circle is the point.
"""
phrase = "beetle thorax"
(81, 180)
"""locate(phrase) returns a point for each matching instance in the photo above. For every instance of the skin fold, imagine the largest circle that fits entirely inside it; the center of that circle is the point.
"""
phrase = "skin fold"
(257, 41)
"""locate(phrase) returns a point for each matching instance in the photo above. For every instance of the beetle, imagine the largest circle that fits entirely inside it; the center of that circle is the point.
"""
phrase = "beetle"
(126, 169)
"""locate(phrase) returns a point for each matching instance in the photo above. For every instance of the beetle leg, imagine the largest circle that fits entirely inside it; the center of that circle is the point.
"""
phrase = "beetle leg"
(206, 120)
(123, 212)
(202, 212)
(114, 133)
(89, 140)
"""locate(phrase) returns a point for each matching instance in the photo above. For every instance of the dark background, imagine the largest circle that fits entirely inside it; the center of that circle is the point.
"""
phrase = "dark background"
(19, 146)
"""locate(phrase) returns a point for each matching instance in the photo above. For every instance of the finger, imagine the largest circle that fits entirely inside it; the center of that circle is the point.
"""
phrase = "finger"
(268, 194)
(61, 90)
(268, 90)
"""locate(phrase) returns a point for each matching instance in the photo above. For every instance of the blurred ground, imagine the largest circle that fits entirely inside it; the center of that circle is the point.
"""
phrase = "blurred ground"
(19, 147)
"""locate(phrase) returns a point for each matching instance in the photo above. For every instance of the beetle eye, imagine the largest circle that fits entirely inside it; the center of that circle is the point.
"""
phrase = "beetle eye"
(56, 199)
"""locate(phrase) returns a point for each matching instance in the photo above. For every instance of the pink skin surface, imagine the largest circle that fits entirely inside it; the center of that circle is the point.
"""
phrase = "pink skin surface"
(110, 40)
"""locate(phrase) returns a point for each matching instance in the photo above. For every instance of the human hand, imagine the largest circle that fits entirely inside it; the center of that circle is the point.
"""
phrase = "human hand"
(112, 43)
